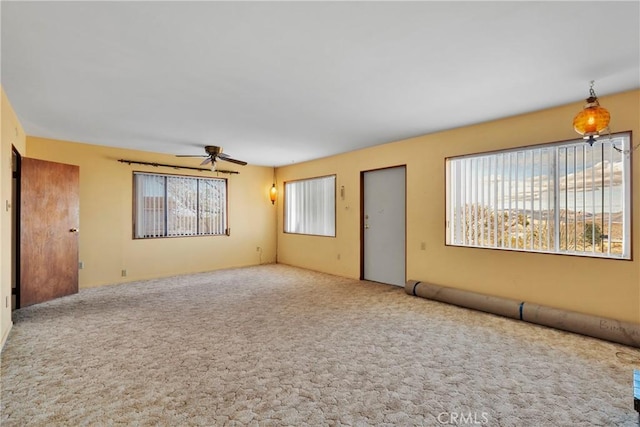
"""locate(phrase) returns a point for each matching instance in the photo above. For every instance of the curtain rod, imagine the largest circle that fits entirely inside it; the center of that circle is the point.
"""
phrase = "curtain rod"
(176, 166)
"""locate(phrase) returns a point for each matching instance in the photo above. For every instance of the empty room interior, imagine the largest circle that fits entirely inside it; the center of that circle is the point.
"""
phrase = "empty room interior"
(320, 213)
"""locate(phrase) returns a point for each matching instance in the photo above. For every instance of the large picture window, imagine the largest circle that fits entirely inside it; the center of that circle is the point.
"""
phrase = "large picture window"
(565, 198)
(310, 206)
(172, 206)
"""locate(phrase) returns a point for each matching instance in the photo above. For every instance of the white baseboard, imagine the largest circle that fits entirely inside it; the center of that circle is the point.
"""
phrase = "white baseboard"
(5, 336)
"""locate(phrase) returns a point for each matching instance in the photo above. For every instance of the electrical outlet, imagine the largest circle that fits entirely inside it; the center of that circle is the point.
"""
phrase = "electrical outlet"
(124, 273)
(423, 246)
(258, 248)
(338, 256)
(80, 265)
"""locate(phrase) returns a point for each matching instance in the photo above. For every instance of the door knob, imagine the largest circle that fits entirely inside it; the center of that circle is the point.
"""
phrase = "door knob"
(73, 230)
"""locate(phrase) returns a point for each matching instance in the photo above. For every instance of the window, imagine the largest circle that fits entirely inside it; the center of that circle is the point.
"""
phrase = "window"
(310, 206)
(565, 198)
(172, 206)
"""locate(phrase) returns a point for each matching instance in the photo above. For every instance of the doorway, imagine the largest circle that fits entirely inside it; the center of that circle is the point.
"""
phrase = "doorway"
(15, 227)
(383, 229)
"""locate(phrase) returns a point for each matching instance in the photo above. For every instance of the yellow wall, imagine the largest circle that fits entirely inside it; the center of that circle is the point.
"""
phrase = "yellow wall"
(106, 243)
(609, 288)
(12, 136)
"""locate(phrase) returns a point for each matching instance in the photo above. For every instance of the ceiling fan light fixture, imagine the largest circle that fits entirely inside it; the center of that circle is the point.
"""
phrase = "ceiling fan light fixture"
(593, 118)
(213, 153)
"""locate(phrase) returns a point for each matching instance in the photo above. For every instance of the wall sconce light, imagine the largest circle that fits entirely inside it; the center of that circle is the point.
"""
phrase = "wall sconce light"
(593, 119)
(273, 192)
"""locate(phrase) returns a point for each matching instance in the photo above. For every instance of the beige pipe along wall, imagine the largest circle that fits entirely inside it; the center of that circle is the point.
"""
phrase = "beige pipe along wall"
(593, 326)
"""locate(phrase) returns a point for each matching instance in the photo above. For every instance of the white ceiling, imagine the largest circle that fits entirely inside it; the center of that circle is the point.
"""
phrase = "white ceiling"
(276, 83)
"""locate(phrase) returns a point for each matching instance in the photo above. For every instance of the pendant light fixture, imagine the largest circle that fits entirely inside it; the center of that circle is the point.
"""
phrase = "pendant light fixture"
(593, 119)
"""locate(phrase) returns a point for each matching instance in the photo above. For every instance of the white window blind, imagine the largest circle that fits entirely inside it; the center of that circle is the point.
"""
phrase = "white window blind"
(171, 206)
(310, 206)
(569, 198)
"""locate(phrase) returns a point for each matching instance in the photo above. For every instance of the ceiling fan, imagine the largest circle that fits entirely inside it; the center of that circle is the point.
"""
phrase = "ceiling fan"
(213, 154)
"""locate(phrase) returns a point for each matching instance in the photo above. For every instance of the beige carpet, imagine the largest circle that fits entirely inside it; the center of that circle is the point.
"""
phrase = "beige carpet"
(275, 345)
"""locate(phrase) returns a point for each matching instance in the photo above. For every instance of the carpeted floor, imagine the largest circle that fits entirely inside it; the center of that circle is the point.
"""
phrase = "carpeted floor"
(275, 345)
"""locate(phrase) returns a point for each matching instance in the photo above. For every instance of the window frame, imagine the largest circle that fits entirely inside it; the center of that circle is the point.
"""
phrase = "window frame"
(227, 229)
(627, 198)
(335, 202)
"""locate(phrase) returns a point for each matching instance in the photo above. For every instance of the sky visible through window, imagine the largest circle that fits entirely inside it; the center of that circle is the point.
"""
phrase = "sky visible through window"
(549, 192)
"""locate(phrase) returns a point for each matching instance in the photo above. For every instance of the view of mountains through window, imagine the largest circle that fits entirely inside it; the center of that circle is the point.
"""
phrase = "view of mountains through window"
(564, 198)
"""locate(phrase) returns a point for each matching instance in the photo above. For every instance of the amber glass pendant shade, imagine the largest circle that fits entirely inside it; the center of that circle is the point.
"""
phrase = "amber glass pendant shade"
(592, 120)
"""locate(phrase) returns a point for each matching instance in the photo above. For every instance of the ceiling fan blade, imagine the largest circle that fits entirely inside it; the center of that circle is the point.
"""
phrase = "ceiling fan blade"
(229, 159)
(190, 155)
(206, 161)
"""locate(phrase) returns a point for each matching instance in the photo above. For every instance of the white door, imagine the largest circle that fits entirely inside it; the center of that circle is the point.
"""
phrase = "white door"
(384, 226)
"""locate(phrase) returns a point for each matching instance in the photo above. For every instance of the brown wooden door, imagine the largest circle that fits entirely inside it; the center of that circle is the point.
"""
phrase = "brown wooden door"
(49, 223)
